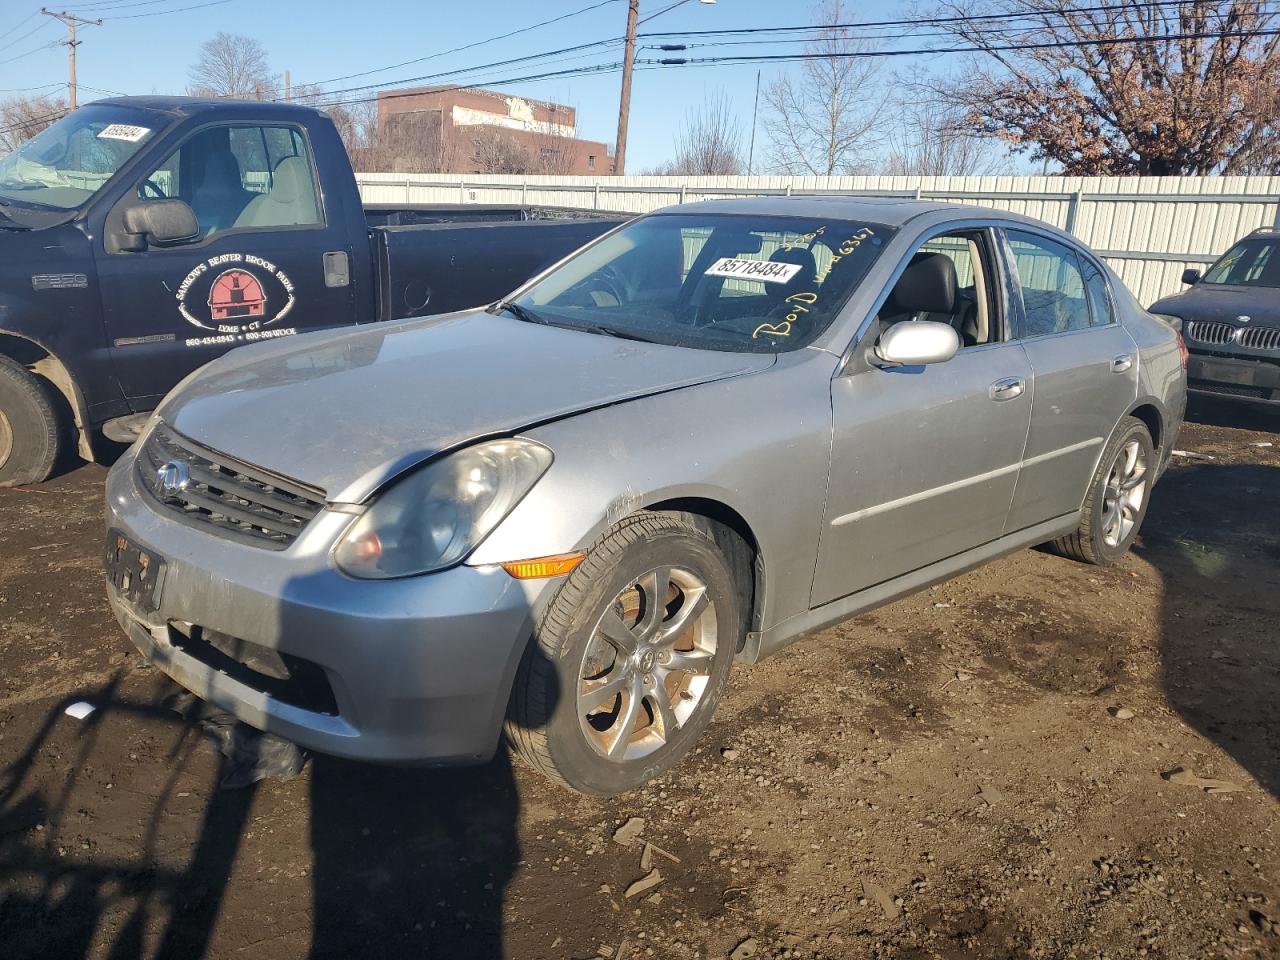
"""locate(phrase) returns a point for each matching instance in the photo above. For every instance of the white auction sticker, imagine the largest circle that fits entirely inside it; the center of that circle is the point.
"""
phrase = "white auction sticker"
(123, 131)
(770, 271)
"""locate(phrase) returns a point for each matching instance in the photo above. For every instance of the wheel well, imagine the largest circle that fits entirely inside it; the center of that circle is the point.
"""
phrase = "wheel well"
(49, 368)
(734, 536)
(1149, 415)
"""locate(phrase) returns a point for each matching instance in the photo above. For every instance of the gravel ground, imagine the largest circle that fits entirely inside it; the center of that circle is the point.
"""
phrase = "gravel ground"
(986, 769)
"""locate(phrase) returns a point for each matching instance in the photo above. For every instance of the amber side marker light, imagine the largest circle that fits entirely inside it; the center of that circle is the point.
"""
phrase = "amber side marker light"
(556, 566)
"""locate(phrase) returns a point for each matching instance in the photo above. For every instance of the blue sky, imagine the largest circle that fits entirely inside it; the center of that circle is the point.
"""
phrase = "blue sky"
(321, 39)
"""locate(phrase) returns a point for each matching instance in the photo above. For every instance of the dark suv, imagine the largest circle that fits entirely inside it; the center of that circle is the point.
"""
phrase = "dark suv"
(1230, 319)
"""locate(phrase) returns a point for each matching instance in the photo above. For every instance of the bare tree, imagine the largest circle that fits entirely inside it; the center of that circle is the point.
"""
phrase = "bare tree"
(932, 138)
(21, 118)
(709, 142)
(232, 65)
(823, 117)
(1128, 88)
(499, 152)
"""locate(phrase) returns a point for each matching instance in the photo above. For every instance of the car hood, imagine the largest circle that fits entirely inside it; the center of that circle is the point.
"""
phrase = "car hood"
(1208, 301)
(346, 412)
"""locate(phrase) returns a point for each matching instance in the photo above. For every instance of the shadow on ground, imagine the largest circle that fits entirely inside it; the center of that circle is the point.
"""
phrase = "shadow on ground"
(405, 862)
(1213, 532)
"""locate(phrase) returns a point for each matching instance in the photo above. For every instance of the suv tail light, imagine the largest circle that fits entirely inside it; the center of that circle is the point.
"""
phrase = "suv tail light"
(1182, 351)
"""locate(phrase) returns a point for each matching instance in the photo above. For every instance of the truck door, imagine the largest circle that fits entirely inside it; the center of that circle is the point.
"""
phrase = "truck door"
(267, 262)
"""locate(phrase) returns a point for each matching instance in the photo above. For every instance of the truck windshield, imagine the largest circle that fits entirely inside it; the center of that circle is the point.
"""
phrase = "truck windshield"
(1250, 263)
(739, 283)
(67, 163)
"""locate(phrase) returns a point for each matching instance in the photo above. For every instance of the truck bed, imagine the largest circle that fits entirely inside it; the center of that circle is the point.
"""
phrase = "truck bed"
(449, 265)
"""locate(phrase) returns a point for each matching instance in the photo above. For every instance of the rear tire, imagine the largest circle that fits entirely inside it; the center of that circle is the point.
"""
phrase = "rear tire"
(1117, 500)
(30, 430)
(614, 689)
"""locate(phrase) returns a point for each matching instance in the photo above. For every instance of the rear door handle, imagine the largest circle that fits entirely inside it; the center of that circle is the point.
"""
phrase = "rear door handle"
(1007, 388)
(1121, 363)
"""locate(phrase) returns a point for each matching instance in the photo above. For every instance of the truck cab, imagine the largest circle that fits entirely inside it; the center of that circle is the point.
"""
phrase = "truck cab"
(142, 237)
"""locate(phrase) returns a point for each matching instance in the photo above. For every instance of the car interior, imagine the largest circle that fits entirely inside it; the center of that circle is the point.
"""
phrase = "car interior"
(946, 281)
(231, 177)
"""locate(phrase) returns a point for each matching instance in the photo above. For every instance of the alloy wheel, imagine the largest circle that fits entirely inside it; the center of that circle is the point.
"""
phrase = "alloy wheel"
(646, 668)
(1125, 493)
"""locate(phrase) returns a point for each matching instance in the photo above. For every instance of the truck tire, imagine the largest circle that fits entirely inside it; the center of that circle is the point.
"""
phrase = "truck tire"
(30, 432)
(615, 689)
(1117, 500)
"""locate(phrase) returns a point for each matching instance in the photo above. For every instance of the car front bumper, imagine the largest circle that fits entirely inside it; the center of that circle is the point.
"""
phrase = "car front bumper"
(416, 670)
(1234, 378)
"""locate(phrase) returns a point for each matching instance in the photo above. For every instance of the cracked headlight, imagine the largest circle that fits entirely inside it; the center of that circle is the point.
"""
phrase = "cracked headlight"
(435, 516)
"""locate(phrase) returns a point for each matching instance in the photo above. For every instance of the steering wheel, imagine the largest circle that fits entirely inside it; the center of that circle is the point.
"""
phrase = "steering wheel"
(157, 191)
(606, 280)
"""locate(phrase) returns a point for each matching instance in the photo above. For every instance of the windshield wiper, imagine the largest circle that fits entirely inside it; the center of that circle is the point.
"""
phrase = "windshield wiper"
(528, 316)
(521, 313)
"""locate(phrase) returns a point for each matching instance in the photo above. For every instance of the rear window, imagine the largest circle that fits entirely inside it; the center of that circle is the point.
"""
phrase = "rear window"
(719, 282)
(1250, 263)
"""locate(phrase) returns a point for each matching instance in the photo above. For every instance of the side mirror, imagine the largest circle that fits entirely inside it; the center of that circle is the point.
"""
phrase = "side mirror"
(159, 222)
(915, 342)
(1191, 276)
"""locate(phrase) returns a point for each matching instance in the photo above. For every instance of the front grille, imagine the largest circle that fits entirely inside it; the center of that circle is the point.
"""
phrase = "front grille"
(227, 497)
(1210, 332)
(1260, 338)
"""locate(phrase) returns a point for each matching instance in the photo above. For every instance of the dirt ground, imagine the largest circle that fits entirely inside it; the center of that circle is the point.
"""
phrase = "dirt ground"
(978, 771)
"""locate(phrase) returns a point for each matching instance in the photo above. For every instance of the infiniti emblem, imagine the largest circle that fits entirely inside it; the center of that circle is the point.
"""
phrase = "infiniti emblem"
(173, 478)
(1243, 318)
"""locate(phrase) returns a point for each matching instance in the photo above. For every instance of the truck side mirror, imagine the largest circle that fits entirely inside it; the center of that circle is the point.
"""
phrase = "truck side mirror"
(158, 222)
(1191, 276)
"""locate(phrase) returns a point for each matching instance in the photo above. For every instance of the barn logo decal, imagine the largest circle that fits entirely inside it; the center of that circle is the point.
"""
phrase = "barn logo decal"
(236, 296)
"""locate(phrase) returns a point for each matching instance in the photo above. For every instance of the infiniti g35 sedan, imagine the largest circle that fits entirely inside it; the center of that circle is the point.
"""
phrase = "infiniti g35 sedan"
(565, 516)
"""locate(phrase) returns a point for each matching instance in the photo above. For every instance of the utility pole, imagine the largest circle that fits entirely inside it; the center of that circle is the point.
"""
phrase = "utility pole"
(288, 87)
(624, 108)
(71, 20)
(751, 155)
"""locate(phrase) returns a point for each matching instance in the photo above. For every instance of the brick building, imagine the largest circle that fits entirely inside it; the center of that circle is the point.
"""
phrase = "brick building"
(484, 131)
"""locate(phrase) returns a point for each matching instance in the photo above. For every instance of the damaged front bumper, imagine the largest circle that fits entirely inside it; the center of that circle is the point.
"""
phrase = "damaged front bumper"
(417, 670)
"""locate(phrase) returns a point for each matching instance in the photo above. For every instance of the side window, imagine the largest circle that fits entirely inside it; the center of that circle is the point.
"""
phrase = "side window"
(240, 178)
(1053, 292)
(975, 316)
(1095, 285)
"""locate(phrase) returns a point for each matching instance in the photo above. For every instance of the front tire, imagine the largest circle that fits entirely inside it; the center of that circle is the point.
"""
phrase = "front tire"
(630, 659)
(1117, 500)
(30, 431)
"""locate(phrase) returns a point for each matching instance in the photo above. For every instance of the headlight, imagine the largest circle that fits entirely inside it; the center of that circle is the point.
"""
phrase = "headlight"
(1175, 322)
(433, 518)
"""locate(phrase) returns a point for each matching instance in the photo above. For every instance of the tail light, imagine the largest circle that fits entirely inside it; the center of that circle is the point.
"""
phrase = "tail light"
(1182, 351)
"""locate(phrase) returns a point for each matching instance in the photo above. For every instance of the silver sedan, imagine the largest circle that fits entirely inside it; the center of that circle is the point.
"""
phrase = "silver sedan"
(713, 431)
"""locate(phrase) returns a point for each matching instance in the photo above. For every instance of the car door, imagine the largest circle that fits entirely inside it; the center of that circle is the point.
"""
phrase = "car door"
(924, 460)
(1085, 367)
(266, 263)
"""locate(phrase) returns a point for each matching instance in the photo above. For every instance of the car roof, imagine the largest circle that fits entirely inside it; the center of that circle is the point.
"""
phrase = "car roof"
(891, 211)
(194, 106)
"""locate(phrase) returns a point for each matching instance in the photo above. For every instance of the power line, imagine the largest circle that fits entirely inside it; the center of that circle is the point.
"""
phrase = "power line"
(162, 13)
(1062, 11)
(36, 29)
(992, 48)
(21, 56)
(20, 24)
(469, 46)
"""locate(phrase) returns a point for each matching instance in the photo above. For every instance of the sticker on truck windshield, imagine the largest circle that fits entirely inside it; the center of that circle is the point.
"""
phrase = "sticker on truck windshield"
(235, 294)
(769, 271)
(123, 131)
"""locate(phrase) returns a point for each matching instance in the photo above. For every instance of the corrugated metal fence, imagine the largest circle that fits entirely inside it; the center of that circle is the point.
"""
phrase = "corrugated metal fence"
(1148, 228)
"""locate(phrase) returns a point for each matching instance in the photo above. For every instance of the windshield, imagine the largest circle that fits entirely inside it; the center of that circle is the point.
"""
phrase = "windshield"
(67, 163)
(719, 282)
(1250, 263)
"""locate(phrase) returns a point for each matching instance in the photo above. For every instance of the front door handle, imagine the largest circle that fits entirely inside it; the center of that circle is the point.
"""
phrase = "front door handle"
(1121, 363)
(1007, 388)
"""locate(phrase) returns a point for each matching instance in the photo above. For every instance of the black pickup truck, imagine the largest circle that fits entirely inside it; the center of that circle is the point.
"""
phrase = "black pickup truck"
(141, 237)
